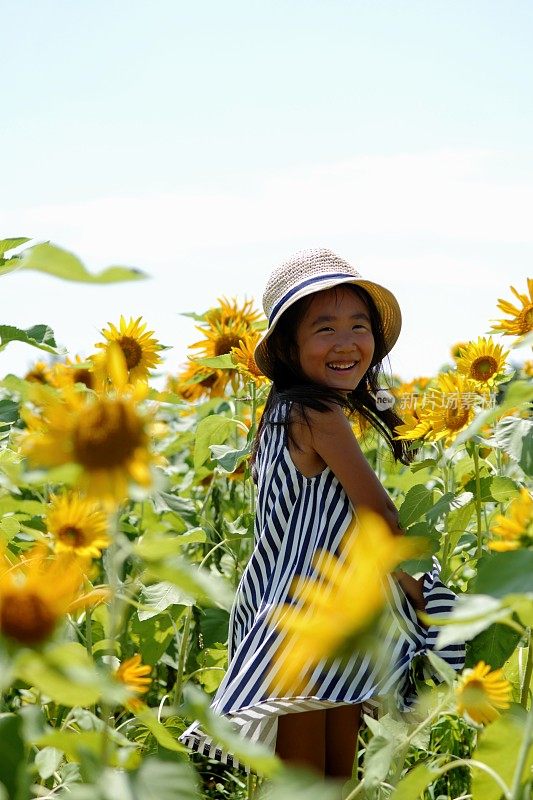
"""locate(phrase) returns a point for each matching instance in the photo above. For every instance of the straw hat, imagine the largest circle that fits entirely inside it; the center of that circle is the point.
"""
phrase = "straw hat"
(312, 271)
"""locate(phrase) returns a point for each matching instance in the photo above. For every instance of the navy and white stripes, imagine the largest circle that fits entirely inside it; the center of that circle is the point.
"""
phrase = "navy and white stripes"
(295, 517)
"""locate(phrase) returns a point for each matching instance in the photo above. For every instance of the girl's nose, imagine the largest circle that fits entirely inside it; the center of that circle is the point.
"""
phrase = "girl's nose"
(346, 341)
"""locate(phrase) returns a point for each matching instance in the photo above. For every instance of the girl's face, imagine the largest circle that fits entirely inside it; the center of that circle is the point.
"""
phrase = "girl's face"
(335, 340)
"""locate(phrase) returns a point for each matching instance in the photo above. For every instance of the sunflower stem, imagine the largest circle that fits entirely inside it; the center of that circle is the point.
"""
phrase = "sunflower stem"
(184, 646)
(524, 696)
(522, 758)
(88, 631)
(475, 452)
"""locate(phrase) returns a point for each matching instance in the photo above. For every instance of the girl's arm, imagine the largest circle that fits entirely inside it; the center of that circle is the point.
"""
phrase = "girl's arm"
(333, 440)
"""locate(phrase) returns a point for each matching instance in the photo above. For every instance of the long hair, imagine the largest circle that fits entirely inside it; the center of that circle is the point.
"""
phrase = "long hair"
(290, 384)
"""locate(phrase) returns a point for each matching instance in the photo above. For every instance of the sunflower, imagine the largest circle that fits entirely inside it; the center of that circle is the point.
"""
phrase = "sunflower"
(515, 529)
(230, 313)
(197, 382)
(521, 321)
(105, 436)
(140, 349)
(483, 361)
(445, 410)
(37, 591)
(481, 692)
(243, 358)
(220, 338)
(78, 525)
(39, 373)
(528, 368)
(134, 675)
(322, 615)
(455, 349)
(69, 373)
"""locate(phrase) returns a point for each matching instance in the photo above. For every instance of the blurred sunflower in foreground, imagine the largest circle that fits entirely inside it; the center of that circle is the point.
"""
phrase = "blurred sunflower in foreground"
(482, 361)
(515, 529)
(140, 349)
(37, 591)
(482, 692)
(521, 321)
(78, 525)
(105, 436)
(321, 615)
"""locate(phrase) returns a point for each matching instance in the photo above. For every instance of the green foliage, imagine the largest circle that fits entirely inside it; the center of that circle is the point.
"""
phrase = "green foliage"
(177, 555)
(39, 336)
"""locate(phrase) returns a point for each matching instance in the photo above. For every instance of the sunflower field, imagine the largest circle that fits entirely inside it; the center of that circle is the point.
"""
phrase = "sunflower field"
(127, 518)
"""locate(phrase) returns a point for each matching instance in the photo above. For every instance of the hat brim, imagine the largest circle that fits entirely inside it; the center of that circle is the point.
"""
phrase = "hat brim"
(386, 304)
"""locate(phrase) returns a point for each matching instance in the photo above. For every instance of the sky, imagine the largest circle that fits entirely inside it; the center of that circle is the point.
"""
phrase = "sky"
(206, 142)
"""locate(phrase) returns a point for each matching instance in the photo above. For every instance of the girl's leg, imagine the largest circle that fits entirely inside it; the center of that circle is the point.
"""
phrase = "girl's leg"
(342, 727)
(301, 739)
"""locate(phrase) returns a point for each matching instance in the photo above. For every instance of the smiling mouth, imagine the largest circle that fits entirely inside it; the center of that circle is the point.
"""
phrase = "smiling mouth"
(342, 366)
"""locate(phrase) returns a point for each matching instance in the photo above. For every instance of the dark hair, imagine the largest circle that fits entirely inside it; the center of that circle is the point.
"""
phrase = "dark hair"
(290, 384)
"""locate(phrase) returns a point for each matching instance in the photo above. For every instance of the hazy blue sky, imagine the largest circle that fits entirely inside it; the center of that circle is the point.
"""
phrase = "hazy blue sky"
(204, 142)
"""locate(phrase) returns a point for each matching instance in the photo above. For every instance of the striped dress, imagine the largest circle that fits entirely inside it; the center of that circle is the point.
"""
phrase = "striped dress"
(295, 517)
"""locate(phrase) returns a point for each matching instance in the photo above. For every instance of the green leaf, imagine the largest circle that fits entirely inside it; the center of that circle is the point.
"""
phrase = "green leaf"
(498, 489)
(156, 548)
(224, 361)
(442, 668)
(67, 674)
(39, 336)
(414, 783)
(228, 457)
(162, 735)
(165, 780)
(255, 755)
(500, 574)
(9, 411)
(213, 429)
(10, 244)
(471, 614)
(47, 761)
(214, 665)
(417, 502)
(199, 583)
(514, 436)
(12, 757)
(294, 783)
(61, 263)
(457, 521)
(214, 626)
(151, 637)
(518, 393)
(498, 748)
(159, 596)
(494, 646)
(378, 759)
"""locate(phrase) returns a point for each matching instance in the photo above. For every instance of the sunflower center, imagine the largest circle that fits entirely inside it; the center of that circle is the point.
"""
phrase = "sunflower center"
(107, 435)
(525, 319)
(456, 418)
(84, 376)
(132, 351)
(484, 368)
(225, 342)
(71, 536)
(25, 617)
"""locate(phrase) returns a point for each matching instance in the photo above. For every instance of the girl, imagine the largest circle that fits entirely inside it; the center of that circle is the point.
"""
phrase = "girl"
(327, 335)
